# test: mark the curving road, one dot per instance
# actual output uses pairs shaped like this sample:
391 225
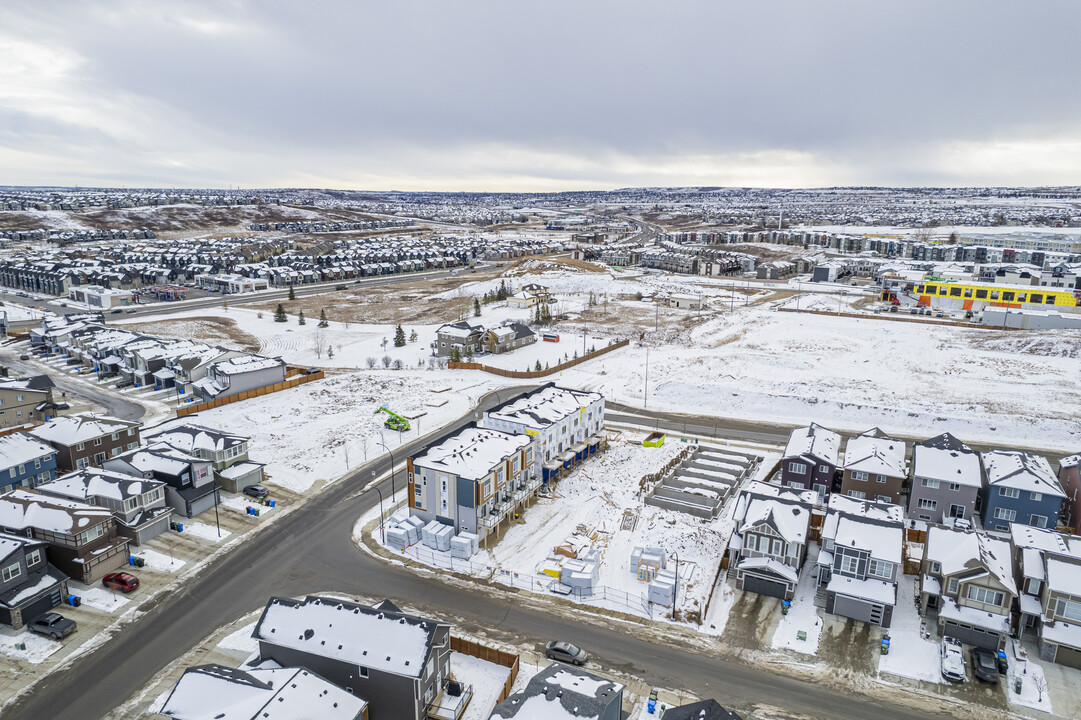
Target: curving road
310 549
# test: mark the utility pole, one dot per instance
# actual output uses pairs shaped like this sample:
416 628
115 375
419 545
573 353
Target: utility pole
657 322
645 392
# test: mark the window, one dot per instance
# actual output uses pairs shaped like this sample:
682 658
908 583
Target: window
37 464
1009 492
1039 521
823 468
957 511
1050 300
82 464
925 504
33 557
363 672
849 564
751 542
1068 609
1032 586
882 479
778 548
879 569
20 398
1007 296
859 475
487 488
952 586
1005 514
1037 298
798 468
984 595
981 294
80 446
929 483
955 486
131 432
97 441
11 572
857 494
99 458
955 292
1035 496
116 436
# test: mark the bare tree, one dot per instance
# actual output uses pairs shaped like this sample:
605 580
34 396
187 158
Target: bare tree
397 364
386 361
319 341
1040 683
371 362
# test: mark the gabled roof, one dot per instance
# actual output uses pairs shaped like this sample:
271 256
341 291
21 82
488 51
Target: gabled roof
814 441
1021 470
876 453
544 407
703 710
93 482
960 552
189 437
21 509
946 459
471 453
69 430
866 525
560 692
20 448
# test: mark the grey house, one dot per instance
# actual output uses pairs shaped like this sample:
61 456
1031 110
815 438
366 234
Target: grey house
398 663
1021 487
138 504
1048 573
701 710
227 451
810 460
468 339
860 562
561 691
239 374
946 478
769 545
189 481
29 585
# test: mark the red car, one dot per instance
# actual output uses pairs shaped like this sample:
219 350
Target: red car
122 581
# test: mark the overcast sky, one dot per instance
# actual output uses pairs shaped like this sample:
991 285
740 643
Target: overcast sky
561 94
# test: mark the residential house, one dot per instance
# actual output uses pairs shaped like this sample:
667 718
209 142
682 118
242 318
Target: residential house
189 481
967 579
810 460
228 452
701 710
1048 573
874 467
506 338
1069 479
471 479
239 374
27 400
1020 487
25 461
87 439
461 336
946 478
137 504
29 585
212 692
562 692
559 419
769 544
398 663
529 296
82 539
860 562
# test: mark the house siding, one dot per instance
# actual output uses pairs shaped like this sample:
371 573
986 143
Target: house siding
1024 507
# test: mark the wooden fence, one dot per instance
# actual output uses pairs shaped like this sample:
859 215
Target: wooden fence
299 377
492 655
536 373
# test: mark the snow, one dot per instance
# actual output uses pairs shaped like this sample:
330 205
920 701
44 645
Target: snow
241 503
38 648
1031 674
1063 577
102 599
241 640
911 655
206 532
160 561
878 591
486 678
472 453
802 614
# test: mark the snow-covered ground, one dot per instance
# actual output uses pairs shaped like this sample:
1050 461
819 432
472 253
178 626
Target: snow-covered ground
241 640
802 614
102 599
241 503
159 561
37 650
486 678
206 532
1032 680
911 655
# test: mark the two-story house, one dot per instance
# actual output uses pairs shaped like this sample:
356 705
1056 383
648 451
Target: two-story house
506 338
1020 487
557 418
228 452
138 504
810 460
82 539
471 479
87 439
946 478
461 336
769 544
29 585
26 400
563 692
239 374
398 663
874 467
1047 566
189 481
25 461
967 578
1069 478
861 558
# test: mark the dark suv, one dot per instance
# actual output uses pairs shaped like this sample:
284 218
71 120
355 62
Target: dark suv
52 624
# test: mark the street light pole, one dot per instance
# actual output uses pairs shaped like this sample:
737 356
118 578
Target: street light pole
382 530
393 492
645 391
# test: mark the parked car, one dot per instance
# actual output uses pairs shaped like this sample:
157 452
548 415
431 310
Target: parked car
565 652
131 311
52 624
24 357
953 659
115 312
984 665
123 383
122 581
256 491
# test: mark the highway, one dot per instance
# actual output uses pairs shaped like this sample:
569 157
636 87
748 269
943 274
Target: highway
310 549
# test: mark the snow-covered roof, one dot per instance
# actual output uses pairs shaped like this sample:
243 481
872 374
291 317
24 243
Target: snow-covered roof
877 591
460 329
560 692
72 429
471 453
246 363
1044 540
960 551
20 448
158 457
791 521
383 639
994 622
93 482
216 692
767 563
189 437
21 509
946 465
884 541
814 441
1021 470
1070 462
544 407
1062 633
1064 576
876 454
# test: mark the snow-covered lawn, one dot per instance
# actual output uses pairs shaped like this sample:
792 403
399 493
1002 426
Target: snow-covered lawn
241 503
206 532
1032 675
802 615
911 655
102 599
38 648
486 678
160 561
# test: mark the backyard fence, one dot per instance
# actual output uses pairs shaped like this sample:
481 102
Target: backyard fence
298 376
536 373
445 562
492 655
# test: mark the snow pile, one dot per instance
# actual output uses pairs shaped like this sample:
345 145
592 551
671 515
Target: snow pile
101 599
241 640
911 655
802 615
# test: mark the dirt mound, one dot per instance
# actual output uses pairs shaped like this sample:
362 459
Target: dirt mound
532 266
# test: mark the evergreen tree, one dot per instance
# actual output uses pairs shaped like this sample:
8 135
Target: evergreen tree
413 337
537 367
469 353
399 337
300 318
330 351
323 318
476 307
279 314
292 293
455 354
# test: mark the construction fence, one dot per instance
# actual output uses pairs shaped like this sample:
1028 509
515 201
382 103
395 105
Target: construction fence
489 654
297 377
537 373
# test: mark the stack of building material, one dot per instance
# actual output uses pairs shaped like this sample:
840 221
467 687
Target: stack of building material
647 561
413 525
397 538
474 541
580 574
662 589
443 538
428 533
461 548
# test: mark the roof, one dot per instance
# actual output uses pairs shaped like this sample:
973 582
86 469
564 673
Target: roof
544 407
960 551
1064 576
217 692
382 639
20 448
947 463
814 441
159 457
702 710
471 453
875 453
246 363
21 509
1044 540
790 521
460 329
877 591
767 563
1021 470
92 482
1070 462
72 429
189 437
560 692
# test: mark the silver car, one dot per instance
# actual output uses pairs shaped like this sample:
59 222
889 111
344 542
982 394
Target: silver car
565 652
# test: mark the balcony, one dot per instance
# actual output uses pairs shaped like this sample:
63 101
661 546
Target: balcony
450 707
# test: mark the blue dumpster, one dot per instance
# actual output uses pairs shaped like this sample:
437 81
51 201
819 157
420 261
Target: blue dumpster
271 503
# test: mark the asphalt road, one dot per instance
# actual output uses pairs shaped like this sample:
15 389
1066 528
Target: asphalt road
114 404
310 550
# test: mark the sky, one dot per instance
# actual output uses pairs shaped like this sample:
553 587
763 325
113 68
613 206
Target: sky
498 95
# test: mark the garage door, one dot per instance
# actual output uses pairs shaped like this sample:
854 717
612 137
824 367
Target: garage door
764 587
1068 656
41 605
971 635
857 609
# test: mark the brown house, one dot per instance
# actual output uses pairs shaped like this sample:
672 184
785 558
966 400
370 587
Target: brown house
874 468
87 439
82 539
